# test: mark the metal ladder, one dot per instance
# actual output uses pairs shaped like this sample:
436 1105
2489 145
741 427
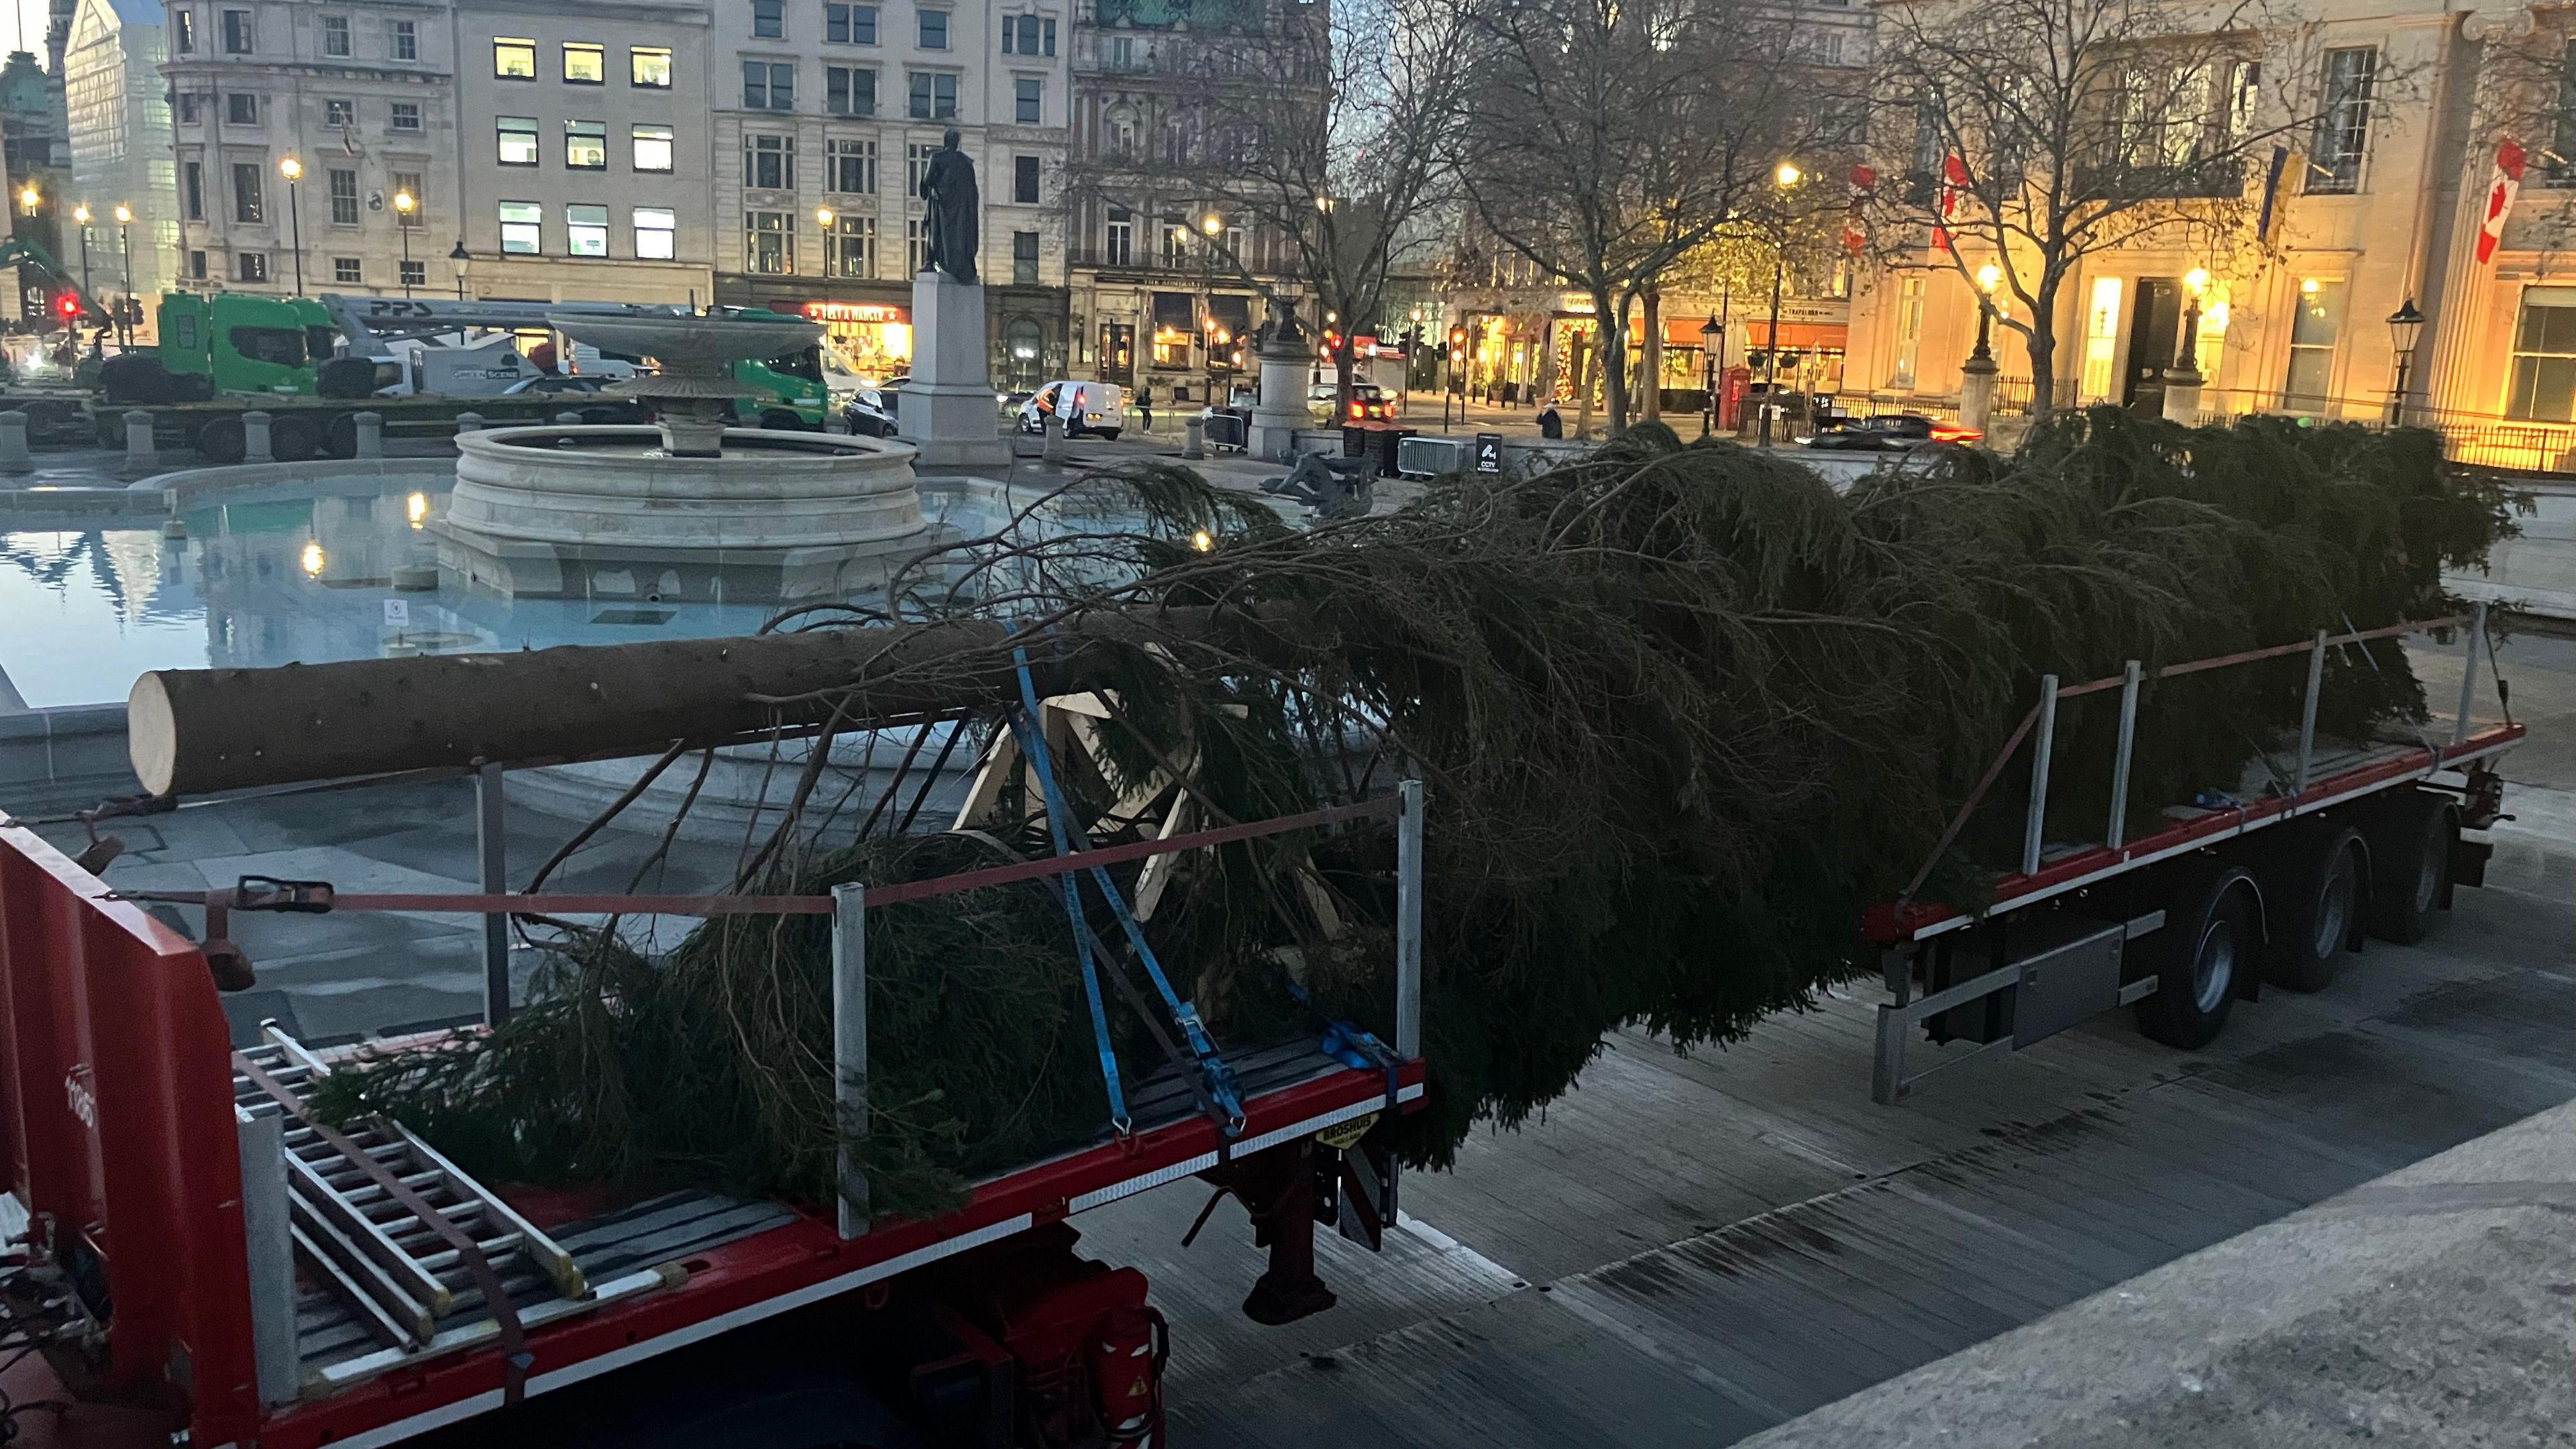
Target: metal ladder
392 1267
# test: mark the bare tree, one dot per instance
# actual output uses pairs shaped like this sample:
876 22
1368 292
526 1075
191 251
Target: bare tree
2526 100
2031 134
1604 141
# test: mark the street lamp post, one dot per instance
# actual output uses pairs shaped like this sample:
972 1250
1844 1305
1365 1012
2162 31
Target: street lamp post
458 259
1977 374
1449 374
2183 380
125 256
293 171
404 205
1712 341
2405 329
1786 177
80 216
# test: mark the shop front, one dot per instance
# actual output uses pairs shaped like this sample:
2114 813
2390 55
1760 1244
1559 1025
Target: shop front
869 323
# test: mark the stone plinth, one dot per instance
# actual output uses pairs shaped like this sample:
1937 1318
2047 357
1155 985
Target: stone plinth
1977 392
1281 410
947 412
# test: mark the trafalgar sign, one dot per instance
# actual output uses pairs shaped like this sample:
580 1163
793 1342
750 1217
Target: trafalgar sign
2502 187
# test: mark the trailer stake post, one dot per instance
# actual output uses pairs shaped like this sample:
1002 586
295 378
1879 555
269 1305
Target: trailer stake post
2469 672
2118 830
1408 920
2308 719
492 850
850 1045
2041 746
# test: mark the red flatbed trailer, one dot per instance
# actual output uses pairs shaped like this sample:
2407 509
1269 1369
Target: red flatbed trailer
127 1148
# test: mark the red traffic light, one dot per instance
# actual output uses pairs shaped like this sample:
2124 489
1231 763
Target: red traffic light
69 304
1457 337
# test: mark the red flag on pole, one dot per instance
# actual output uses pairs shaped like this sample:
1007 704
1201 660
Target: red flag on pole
2502 188
1954 179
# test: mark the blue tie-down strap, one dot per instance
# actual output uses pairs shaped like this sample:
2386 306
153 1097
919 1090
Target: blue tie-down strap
1353 1047
1218 1077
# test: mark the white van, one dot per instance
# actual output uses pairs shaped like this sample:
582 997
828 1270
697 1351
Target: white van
1094 409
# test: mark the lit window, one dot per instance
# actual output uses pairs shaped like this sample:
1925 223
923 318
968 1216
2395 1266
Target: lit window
767 246
585 65
650 67
2315 327
850 247
518 140
652 148
586 146
523 227
2544 357
514 59
183 32
587 228
655 227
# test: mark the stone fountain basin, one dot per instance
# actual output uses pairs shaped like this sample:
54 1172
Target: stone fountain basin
615 486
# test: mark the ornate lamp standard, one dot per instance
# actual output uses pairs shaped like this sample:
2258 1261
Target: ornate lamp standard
1787 176
2405 329
404 205
293 171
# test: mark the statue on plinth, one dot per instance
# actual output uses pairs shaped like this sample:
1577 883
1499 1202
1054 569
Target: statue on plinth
950 209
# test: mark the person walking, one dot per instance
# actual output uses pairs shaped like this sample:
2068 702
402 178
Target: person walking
1549 424
1145 406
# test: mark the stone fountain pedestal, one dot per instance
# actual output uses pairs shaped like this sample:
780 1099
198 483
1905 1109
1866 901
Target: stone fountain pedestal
947 411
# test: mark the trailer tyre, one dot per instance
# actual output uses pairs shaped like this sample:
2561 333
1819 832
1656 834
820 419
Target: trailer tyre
2200 975
221 441
293 439
340 439
345 377
2321 912
2411 875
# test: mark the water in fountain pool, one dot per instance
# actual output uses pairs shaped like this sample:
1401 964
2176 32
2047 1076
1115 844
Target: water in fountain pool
305 574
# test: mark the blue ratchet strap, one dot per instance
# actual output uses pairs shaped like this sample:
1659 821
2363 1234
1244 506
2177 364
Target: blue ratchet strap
1123 1124
1032 737
1355 1046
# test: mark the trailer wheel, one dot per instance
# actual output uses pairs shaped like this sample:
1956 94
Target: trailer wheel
2321 909
293 438
2212 943
340 439
2411 878
221 441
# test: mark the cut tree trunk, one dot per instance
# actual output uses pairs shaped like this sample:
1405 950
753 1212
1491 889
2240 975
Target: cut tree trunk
191 731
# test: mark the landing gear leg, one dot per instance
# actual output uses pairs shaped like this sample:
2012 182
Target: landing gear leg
1278 1188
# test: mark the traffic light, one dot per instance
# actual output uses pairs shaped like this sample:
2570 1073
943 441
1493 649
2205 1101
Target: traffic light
69 305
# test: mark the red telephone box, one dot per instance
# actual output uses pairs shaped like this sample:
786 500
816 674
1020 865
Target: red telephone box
1732 386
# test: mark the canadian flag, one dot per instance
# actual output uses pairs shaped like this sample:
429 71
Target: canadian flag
1954 179
2501 191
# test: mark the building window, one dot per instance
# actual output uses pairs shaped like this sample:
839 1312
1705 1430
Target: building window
183 35
249 203
916 246
1909 332
655 227
934 96
649 66
934 30
1025 341
514 59
587 228
344 197
769 19
518 140
1119 249
850 90
767 86
406 39
415 274
1027 35
586 146
523 227
346 271
850 167
767 247
2314 329
769 162
850 247
1122 52
241 109
196 268
405 116
1024 258
652 148
1024 180
339 113
1029 101
410 181
187 101
584 64
192 189
2343 127
250 266
335 35
2544 357
1176 242
237 38
850 24
916 165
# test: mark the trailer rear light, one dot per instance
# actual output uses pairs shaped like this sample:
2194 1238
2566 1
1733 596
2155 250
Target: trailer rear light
1955 433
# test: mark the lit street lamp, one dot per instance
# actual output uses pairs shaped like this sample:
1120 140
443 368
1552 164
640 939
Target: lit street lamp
2187 359
1712 341
2405 328
29 198
81 215
1787 176
125 251
293 171
404 205
1989 277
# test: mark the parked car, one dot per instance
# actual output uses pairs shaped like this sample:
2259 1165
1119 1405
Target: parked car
583 394
1890 433
1093 409
1368 404
870 412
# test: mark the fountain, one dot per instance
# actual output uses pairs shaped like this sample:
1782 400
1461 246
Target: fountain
688 508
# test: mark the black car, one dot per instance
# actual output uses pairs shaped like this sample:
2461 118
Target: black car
870 412
1890 433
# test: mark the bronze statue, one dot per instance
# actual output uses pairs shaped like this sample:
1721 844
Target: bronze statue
950 209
